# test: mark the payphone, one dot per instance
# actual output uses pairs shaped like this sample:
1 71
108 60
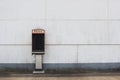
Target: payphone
38 48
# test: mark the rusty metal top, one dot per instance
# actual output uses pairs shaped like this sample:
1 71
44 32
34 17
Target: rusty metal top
38 31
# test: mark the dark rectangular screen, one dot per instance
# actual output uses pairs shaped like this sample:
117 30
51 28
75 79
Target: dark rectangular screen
38 42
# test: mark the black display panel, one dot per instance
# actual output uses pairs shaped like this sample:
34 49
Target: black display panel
38 42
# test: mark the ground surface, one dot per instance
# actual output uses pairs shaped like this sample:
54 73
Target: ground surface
64 78
88 76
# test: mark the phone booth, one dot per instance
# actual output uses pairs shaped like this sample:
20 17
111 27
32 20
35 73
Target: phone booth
38 48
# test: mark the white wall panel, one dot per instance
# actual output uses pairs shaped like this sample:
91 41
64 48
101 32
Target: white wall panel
68 22
114 32
18 32
98 53
60 54
15 54
114 11
22 54
77 32
77 9
22 9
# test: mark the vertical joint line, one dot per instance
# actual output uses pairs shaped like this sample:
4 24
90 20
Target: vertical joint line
45 4
77 52
108 7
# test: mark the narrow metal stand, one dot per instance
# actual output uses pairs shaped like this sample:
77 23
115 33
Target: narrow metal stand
38 64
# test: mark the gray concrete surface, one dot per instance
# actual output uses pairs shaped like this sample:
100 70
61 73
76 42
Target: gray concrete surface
63 78
87 76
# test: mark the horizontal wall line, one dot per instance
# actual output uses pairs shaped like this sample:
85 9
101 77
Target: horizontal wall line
15 44
54 44
83 19
60 19
22 19
82 44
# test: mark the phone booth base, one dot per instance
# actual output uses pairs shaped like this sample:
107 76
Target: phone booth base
38 64
38 72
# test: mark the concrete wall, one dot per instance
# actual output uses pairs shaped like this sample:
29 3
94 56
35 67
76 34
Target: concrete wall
77 31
